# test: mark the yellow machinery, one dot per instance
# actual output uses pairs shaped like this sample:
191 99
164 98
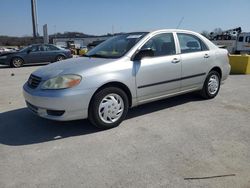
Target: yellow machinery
240 64
83 51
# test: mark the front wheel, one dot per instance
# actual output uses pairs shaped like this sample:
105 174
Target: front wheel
16 62
108 108
211 85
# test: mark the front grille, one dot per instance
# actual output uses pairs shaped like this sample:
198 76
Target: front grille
34 81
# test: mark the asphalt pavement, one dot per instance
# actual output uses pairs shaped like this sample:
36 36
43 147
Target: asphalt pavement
161 144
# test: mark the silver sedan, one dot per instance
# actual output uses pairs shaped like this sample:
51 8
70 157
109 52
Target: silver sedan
125 71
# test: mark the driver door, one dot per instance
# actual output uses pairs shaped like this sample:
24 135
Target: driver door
158 76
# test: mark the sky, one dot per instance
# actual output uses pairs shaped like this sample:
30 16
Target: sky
98 17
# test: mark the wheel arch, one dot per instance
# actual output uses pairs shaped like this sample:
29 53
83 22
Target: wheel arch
217 69
60 54
119 85
16 56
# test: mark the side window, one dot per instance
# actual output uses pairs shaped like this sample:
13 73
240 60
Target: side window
46 48
40 48
49 48
248 39
190 43
34 48
162 44
241 39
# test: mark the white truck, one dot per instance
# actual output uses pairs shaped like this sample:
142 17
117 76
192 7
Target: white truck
240 45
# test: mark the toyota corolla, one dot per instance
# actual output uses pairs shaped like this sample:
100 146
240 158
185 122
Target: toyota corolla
125 71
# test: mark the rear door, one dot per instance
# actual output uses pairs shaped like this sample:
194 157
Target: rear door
50 52
194 56
159 75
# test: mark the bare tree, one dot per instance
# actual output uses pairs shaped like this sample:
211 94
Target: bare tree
217 31
205 33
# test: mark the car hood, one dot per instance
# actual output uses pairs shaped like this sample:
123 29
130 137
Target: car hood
70 66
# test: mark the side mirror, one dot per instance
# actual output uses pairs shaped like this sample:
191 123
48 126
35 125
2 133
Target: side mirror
140 54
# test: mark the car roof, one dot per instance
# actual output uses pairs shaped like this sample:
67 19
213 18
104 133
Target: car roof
163 30
172 30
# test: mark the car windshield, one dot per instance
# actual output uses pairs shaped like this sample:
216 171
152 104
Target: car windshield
117 46
25 49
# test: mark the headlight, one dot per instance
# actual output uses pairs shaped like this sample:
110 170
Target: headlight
3 57
62 82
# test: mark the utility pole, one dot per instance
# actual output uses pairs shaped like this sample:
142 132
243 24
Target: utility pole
34 18
113 29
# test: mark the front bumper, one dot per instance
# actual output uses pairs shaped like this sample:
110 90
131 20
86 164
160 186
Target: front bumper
4 62
61 105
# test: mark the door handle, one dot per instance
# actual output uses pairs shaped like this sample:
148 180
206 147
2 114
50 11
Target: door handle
206 56
175 60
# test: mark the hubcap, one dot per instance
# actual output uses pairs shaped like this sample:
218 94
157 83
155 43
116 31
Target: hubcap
213 84
111 108
17 62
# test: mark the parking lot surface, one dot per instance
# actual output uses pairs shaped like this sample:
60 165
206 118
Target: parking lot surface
158 145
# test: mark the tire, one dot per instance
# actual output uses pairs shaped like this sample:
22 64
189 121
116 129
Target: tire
108 108
16 62
211 85
60 58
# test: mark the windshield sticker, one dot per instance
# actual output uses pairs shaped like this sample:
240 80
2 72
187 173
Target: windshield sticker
133 36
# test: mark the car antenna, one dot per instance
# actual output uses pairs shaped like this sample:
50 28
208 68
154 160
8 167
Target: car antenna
180 22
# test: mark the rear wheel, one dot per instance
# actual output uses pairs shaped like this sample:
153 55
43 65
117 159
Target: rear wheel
108 108
211 85
60 58
16 62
